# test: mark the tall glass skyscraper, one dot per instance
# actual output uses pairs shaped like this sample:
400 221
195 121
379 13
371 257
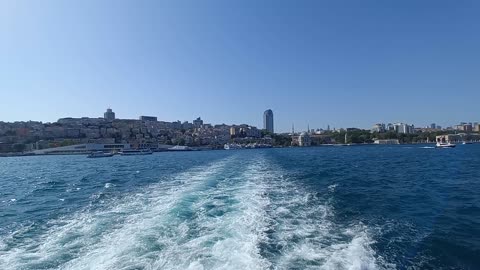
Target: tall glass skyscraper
268 121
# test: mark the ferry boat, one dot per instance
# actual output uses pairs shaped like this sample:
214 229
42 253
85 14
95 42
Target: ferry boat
444 142
445 145
135 152
99 154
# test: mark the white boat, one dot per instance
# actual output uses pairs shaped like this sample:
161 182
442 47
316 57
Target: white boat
445 145
258 145
443 142
135 152
231 146
180 148
99 154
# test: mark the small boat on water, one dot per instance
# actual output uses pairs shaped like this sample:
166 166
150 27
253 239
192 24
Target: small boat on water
99 154
231 146
445 145
444 142
135 152
180 148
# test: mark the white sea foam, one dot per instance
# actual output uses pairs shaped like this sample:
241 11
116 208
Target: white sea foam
118 237
224 216
226 230
331 188
306 234
353 255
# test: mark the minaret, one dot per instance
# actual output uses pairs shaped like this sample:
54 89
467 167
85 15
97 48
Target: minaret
308 128
293 129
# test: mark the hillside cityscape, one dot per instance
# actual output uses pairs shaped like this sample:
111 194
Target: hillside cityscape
147 132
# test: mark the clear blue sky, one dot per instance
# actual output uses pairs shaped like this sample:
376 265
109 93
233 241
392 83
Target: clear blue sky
343 63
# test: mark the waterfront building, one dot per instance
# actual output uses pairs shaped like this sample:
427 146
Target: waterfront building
451 138
109 115
148 118
304 139
268 121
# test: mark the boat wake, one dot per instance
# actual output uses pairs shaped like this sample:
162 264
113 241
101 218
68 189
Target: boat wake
232 214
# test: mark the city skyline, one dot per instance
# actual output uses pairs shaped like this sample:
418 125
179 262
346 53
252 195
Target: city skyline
109 114
314 64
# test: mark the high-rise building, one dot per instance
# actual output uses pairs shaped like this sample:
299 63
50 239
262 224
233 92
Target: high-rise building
404 128
433 126
198 122
268 121
109 115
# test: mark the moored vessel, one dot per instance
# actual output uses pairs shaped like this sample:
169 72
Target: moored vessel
180 148
135 152
99 154
231 146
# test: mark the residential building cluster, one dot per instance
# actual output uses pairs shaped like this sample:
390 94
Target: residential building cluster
400 128
147 131
410 129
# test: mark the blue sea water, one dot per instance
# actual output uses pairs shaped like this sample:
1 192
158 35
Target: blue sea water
368 207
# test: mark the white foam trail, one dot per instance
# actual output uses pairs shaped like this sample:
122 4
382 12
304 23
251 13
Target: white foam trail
226 230
354 255
114 238
234 214
307 237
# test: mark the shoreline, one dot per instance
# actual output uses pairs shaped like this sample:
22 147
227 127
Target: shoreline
216 149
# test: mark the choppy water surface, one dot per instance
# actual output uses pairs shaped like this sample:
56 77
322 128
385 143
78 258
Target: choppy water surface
383 207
